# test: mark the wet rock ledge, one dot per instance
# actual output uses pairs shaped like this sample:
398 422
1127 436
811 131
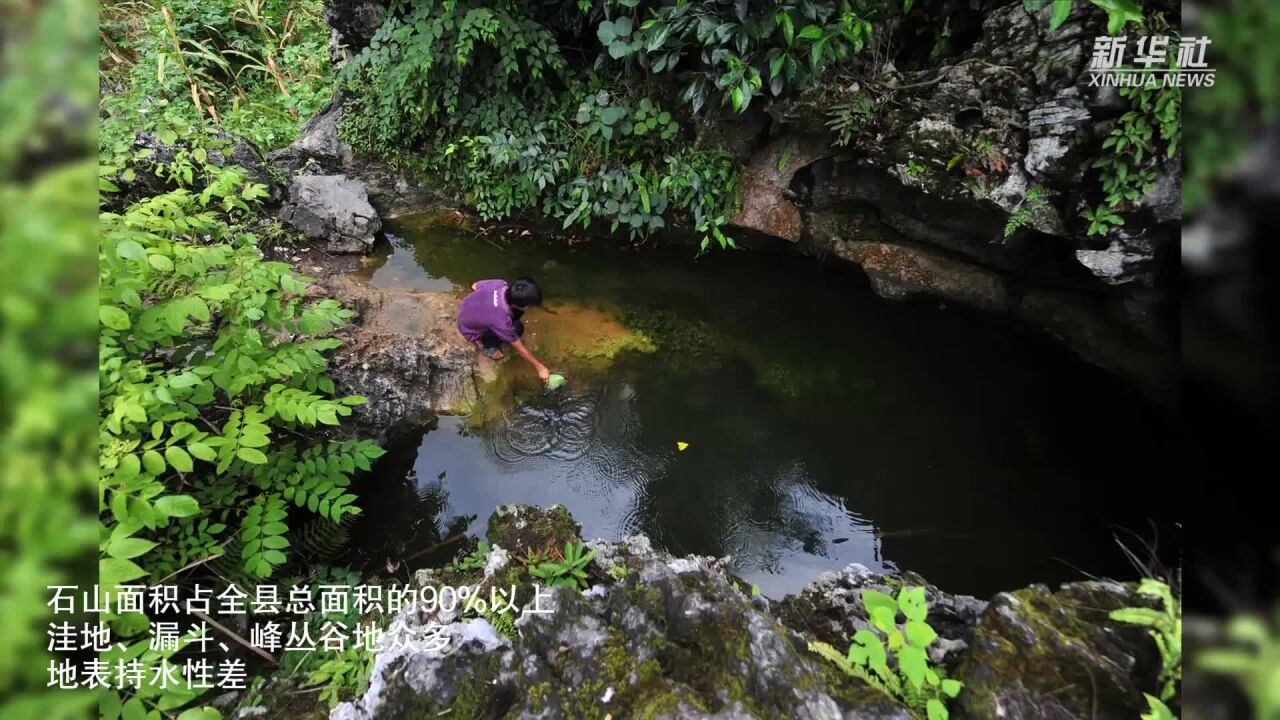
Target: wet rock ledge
657 636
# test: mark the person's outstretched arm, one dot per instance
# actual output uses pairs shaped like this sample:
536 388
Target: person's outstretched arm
543 372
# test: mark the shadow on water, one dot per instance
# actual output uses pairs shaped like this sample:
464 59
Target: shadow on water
824 425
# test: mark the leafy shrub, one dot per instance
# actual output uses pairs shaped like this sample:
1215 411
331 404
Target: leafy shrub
480 95
910 679
212 382
728 48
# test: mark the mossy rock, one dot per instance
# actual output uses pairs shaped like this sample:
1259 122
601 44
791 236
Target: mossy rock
520 528
1042 654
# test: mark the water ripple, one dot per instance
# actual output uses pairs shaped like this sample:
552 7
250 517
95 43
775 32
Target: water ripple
558 427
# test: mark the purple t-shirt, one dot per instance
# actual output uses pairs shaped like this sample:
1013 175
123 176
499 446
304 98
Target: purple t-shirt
486 309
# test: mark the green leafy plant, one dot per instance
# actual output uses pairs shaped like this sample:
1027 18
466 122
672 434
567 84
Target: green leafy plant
569 571
1032 202
1253 660
1120 13
476 559
1165 625
342 675
1102 220
209 357
849 116
1222 123
738 51
502 119
909 678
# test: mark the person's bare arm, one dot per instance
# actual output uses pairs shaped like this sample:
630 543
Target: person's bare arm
543 372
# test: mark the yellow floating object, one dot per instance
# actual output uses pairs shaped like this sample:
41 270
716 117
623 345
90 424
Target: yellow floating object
681 445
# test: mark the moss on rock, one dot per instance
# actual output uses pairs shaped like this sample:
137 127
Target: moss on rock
520 528
1041 654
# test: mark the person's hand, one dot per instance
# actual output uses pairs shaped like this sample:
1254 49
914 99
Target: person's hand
543 373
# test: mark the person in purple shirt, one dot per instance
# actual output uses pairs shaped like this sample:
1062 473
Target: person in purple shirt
490 317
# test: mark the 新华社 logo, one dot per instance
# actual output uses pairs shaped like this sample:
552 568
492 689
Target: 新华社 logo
1155 62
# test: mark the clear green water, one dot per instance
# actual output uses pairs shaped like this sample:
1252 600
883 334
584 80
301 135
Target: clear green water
824 425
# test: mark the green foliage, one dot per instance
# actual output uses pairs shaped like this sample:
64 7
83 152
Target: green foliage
910 678
1165 626
1253 660
479 95
503 622
211 377
256 68
153 697
339 676
724 47
1032 202
1120 13
848 117
474 560
569 571
433 66
1102 220
342 675
1157 710
1222 120
1145 136
47 326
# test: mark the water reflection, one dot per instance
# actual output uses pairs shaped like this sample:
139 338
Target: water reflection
825 426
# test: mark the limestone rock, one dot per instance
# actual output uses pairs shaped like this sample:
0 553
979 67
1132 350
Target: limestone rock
351 25
523 527
673 638
656 636
765 182
830 609
405 355
332 208
320 150
1042 655
897 271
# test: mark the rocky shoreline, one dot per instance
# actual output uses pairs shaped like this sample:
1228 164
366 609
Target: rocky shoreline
658 636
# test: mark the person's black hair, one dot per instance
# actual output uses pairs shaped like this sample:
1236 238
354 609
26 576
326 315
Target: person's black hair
524 292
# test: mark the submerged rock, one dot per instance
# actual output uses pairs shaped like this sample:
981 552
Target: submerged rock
332 208
657 636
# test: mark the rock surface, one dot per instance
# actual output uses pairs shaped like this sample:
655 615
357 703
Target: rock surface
405 355
334 209
657 636
321 150
1038 654
945 160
